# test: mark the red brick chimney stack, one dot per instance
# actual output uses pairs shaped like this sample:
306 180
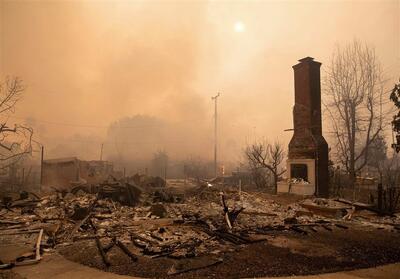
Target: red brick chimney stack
307 141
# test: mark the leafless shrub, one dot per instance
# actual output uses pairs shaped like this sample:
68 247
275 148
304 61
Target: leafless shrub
390 183
263 156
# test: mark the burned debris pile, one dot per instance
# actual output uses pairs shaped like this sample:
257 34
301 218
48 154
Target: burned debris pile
153 222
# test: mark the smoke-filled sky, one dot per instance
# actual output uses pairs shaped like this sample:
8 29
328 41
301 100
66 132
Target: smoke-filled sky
88 64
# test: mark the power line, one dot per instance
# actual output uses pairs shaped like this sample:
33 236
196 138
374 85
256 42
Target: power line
118 142
114 124
86 125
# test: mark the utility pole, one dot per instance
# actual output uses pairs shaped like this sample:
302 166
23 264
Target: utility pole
215 99
101 152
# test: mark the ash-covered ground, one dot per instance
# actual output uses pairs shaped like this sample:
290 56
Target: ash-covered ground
196 231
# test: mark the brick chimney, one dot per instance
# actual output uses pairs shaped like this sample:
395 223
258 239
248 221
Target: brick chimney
307 141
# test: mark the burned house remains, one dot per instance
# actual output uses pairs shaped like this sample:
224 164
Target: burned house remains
64 172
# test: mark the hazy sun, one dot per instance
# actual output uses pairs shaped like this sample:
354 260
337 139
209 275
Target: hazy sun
239 26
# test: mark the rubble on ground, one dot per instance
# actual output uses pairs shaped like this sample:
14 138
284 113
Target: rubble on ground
149 223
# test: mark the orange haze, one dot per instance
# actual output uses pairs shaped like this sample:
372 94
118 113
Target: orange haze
87 64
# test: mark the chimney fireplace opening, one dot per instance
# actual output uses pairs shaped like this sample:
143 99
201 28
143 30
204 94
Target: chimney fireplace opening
299 171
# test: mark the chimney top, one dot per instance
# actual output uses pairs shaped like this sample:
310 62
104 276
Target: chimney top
306 59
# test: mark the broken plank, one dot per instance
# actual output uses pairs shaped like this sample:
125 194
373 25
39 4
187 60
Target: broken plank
144 239
80 223
37 252
77 226
21 232
359 205
39 240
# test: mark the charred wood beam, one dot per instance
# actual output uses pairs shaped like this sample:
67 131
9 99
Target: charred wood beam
126 250
102 253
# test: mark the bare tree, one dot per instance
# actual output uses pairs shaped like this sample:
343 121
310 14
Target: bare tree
16 141
353 100
263 155
395 98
